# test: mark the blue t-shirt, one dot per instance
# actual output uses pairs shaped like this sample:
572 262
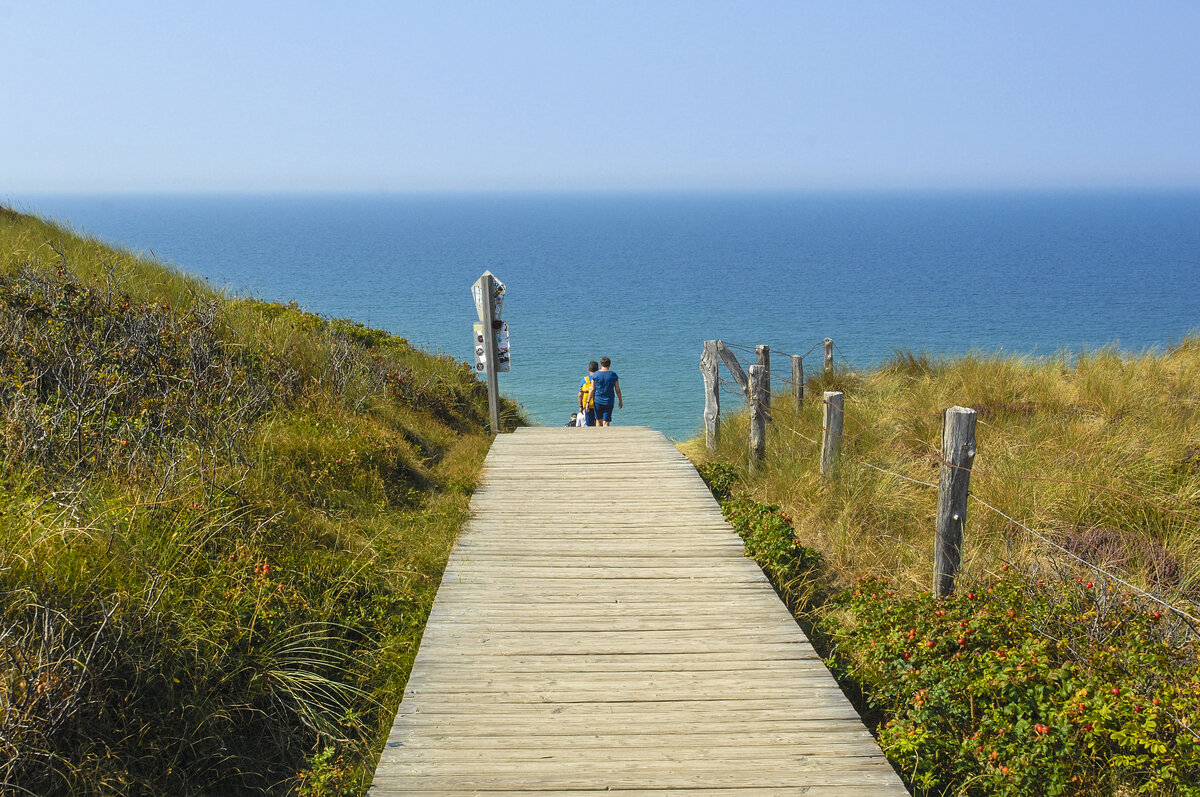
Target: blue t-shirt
606 387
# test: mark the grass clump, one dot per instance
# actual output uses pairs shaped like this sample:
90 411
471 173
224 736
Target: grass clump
1067 661
222 524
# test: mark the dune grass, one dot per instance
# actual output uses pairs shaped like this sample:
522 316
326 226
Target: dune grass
222 524
1068 660
1100 452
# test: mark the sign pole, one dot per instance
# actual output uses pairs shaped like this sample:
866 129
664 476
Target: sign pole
486 286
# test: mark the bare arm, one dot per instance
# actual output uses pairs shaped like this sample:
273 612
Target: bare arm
620 401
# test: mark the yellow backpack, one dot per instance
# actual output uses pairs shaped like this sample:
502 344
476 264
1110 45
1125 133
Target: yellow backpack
585 390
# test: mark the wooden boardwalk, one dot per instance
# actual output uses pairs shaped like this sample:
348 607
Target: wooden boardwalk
598 628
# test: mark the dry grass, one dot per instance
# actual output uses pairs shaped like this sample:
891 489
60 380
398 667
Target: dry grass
1097 453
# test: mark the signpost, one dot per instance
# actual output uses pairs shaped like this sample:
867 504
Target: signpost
491 339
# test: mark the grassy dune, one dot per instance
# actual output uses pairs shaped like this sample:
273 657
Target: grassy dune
1067 662
222 523
1100 452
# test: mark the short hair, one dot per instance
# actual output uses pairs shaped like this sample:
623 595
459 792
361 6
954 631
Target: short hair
605 362
593 366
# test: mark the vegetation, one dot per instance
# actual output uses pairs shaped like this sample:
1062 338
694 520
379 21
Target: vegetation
1067 661
222 524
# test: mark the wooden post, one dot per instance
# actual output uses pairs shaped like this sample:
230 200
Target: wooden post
958 454
758 416
712 396
831 441
828 357
735 368
798 380
763 355
487 286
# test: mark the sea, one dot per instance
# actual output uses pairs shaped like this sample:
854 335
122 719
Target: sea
646 278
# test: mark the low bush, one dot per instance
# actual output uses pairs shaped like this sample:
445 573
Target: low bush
995 691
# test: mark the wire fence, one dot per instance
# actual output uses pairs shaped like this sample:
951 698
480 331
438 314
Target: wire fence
1178 622
782 422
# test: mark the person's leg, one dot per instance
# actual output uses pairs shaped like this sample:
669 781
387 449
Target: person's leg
589 416
603 414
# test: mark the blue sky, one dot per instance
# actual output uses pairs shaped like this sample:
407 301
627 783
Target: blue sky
697 95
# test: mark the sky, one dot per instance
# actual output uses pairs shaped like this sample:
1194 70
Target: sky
126 96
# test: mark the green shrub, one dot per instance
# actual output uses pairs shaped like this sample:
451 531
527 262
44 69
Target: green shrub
722 479
995 691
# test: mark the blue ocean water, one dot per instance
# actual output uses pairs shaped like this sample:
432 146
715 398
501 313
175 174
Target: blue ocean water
646 278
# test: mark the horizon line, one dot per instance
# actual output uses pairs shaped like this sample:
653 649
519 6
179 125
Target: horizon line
10 197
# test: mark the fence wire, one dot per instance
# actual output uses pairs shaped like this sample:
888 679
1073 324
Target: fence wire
935 457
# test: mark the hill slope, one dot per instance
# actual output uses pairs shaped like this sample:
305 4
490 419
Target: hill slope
221 526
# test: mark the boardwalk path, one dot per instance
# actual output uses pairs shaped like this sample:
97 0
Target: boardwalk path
598 628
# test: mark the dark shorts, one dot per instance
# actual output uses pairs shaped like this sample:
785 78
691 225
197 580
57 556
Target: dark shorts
589 417
604 412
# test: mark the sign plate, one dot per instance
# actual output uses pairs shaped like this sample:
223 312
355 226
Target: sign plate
502 348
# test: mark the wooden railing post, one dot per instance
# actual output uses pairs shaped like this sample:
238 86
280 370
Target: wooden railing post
958 454
763 355
758 416
828 357
712 396
735 368
831 441
798 380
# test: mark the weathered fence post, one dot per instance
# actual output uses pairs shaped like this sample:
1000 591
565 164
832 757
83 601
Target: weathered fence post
763 355
735 368
798 380
828 357
712 396
831 441
758 416
958 453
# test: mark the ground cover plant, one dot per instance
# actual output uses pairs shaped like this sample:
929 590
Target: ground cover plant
222 523
1067 661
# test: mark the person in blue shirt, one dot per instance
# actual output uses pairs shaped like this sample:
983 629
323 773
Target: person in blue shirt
605 387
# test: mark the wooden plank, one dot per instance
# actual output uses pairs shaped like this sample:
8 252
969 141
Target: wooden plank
599 628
